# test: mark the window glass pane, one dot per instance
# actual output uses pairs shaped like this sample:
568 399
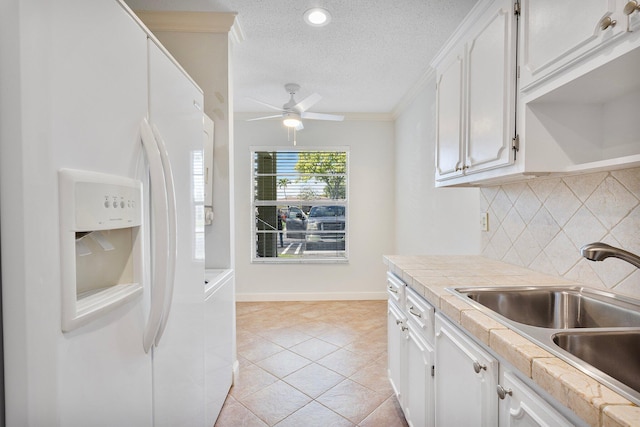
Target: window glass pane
300 205
197 191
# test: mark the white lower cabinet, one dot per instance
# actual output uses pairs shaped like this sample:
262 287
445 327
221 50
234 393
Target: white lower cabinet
418 401
465 380
410 353
520 406
443 377
396 349
220 346
473 389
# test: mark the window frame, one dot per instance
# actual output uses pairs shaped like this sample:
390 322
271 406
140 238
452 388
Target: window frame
253 204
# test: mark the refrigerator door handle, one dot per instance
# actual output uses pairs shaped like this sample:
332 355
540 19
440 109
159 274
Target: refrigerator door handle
173 225
161 234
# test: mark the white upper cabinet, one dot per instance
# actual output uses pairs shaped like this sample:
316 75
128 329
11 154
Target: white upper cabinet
491 90
553 89
449 133
579 85
555 34
476 93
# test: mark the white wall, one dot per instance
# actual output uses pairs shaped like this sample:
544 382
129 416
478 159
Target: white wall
371 209
429 220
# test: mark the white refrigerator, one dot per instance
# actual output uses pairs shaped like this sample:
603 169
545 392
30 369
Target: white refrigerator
82 83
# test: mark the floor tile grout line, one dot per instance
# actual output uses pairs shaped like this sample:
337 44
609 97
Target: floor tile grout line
319 403
371 359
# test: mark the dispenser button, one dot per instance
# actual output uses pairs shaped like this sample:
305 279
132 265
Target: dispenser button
115 204
122 204
106 204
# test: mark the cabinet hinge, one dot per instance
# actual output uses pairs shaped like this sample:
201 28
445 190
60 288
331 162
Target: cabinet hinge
515 146
516 8
433 371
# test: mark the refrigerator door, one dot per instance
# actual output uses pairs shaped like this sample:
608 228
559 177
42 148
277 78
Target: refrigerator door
175 116
99 96
82 72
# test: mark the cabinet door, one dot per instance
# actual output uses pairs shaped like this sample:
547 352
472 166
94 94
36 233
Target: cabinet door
396 348
634 17
557 33
449 125
491 89
465 380
420 313
524 408
219 317
395 289
419 399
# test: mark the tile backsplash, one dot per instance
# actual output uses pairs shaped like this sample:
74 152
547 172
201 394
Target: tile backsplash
542 223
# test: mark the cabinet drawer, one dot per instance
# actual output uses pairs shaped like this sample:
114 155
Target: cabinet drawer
421 313
395 289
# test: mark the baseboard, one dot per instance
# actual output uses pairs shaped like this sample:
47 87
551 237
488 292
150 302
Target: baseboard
309 296
236 372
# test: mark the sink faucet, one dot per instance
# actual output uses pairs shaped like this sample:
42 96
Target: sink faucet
599 251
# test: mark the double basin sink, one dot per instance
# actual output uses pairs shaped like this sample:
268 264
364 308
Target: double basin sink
597 332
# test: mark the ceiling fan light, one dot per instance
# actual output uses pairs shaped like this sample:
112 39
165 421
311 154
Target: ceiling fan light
317 17
291 123
291 120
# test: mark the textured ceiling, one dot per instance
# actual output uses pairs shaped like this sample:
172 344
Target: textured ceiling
366 60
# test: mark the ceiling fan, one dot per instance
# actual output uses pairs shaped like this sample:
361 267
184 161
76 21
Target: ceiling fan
293 112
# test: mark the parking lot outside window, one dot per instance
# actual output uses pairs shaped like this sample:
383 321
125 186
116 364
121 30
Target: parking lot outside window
300 205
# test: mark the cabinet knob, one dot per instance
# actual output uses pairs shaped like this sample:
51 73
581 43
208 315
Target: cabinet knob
478 367
503 392
392 290
607 22
404 328
414 313
630 7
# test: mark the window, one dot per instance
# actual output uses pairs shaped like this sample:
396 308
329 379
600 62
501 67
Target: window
299 205
197 190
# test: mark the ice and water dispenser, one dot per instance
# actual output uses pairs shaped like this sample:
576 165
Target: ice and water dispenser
101 244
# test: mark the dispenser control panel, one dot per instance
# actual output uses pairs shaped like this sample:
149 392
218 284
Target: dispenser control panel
101 253
100 201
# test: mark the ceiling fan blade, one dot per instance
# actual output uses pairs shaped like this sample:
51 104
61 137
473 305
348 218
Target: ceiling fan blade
273 107
306 103
321 116
265 117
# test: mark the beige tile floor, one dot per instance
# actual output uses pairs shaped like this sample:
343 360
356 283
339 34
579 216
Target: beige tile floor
307 364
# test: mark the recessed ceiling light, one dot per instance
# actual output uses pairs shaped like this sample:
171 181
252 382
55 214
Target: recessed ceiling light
317 17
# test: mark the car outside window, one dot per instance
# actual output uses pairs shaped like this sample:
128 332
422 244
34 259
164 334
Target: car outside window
299 205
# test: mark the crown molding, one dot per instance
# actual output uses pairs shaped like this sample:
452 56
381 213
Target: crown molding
413 92
236 33
189 22
461 31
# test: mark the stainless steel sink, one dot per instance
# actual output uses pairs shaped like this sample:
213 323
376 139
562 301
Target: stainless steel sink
598 332
557 307
613 352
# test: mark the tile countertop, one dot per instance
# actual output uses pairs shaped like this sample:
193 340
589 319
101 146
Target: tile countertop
429 275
